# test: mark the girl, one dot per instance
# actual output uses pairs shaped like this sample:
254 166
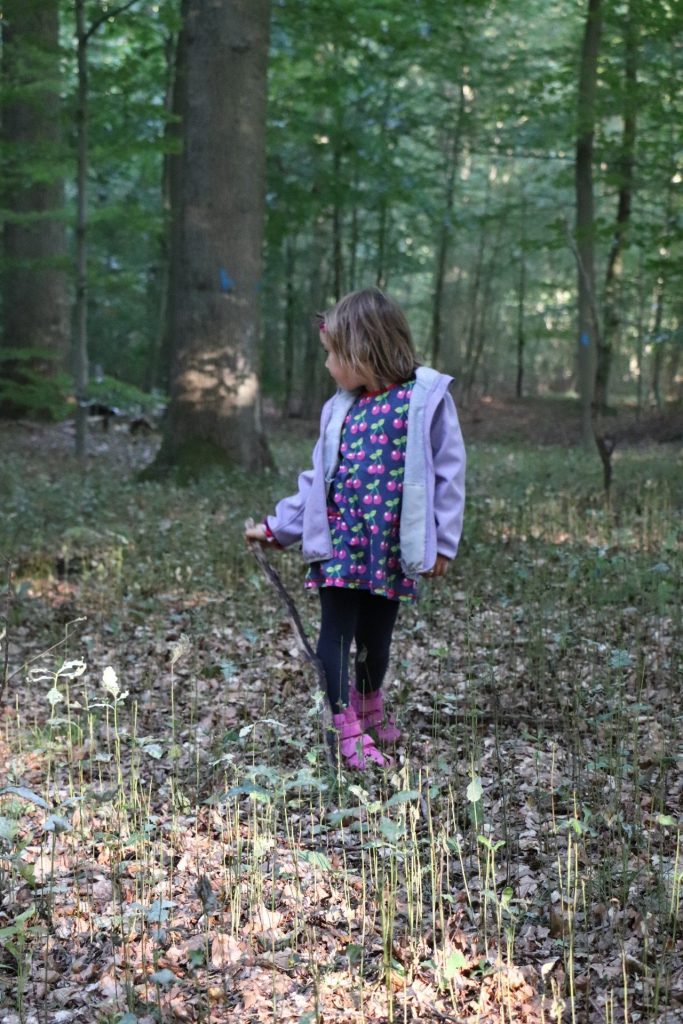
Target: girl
381 506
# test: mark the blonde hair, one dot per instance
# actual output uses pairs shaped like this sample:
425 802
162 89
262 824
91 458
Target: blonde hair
369 332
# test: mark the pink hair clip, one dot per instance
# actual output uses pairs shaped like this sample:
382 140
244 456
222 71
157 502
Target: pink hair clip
322 326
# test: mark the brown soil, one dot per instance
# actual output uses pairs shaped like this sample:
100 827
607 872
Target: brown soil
491 420
557 421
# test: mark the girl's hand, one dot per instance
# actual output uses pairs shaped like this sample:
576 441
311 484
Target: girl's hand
439 568
257 534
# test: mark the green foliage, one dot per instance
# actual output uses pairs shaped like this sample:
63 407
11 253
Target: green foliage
363 114
27 390
124 396
189 462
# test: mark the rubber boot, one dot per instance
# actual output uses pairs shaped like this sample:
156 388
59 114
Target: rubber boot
369 708
355 746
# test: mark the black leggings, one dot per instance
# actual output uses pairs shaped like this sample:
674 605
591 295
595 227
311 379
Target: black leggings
358 615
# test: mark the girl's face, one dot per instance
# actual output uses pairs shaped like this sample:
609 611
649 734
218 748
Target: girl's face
345 376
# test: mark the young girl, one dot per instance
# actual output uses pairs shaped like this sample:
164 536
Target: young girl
381 506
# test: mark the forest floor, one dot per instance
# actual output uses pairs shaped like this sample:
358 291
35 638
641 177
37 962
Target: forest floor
173 843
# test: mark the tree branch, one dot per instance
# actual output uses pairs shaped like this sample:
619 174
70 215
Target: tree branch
107 17
295 622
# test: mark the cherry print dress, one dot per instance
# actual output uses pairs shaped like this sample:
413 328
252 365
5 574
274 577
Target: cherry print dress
364 503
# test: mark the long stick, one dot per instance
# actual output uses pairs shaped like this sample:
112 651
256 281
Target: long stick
295 622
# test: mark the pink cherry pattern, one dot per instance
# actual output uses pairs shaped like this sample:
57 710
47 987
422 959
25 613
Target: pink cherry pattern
364 510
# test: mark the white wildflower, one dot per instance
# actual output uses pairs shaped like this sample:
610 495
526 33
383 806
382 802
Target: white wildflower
110 681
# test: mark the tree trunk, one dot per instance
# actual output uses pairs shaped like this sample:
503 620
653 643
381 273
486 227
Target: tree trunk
217 200
588 327
473 341
611 317
483 310
354 231
446 230
81 360
640 332
521 300
34 286
81 368
658 344
337 245
159 356
290 312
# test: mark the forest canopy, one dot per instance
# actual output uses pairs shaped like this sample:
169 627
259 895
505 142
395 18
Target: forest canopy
425 147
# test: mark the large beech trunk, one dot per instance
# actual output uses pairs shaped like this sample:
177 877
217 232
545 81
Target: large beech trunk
217 209
35 303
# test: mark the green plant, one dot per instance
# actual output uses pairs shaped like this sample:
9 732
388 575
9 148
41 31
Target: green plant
30 386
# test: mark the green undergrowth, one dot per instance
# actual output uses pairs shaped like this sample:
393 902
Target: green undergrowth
168 810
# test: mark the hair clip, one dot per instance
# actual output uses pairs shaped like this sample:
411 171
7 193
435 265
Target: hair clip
322 326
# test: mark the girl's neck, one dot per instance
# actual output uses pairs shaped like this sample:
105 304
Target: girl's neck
372 391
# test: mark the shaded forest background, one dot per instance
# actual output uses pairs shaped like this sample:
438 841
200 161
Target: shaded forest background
426 147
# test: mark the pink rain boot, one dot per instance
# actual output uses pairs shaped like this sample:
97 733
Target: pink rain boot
370 710
355 746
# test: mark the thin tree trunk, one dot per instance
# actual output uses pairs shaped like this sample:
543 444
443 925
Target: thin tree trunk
157 371
483 311
521 299
354 234
380 274
640 328
611 317
81 362
310 362
384 222
658 346
471 357
337 244
290 306
588 328
446 230
81 369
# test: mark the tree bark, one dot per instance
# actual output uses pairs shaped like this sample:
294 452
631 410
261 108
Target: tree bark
217 201
290 325
159 356
521 300
446 230
81 359
611 316
588 327
34 285
81 366
337 218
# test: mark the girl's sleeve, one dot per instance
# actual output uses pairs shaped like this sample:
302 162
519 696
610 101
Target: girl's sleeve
448 453
287 522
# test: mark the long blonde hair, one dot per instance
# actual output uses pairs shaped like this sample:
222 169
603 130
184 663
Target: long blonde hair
369 332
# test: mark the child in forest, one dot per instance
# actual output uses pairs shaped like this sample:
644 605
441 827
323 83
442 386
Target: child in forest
381 505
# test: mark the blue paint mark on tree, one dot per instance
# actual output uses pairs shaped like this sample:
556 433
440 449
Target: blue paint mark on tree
226 282
584 339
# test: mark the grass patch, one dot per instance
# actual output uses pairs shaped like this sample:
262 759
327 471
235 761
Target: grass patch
173 844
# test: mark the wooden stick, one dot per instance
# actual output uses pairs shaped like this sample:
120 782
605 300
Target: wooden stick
303 644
